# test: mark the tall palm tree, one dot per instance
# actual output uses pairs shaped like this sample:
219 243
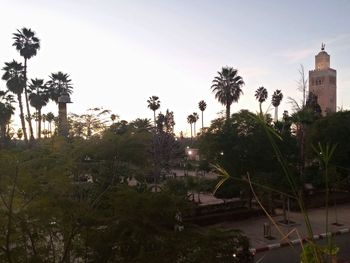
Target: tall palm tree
14 77
27 44
190 120
50 117
277 97
38 98
154 104
261 96
6 111
227 87
59 83
195 119
202 106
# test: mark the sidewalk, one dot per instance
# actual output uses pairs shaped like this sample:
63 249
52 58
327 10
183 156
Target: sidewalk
253 228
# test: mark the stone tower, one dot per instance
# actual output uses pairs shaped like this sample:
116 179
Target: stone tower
323 82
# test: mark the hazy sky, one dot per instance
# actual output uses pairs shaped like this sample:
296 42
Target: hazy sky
119 53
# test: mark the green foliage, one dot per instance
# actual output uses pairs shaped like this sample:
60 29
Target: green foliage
49 214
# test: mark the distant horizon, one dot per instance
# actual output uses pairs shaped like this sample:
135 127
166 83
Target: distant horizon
118 54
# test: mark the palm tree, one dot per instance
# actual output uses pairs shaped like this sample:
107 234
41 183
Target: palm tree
227 87
276 101
50 117
261 96
114 117
60 86
14 77
154 104
6 111
202 106
141 124
59 83
27 44
195 119
38 98
43 118
190 120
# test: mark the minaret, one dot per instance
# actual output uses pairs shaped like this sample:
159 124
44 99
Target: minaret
323 82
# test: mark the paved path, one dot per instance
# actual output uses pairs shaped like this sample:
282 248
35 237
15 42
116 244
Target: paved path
253 227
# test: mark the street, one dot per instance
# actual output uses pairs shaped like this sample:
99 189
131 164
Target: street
291 255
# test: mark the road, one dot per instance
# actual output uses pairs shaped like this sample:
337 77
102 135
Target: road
290 255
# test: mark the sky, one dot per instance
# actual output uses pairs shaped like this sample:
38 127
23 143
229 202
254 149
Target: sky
119 53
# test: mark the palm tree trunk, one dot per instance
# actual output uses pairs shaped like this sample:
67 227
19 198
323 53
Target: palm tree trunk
39 123
62 122
3 135
27 101
260 109
21 116
194 129
228 109
202 122
191 131
154 118
276 114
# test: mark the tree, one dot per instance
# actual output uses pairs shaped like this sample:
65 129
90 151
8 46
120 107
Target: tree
6 111
261 96
276 101
50 117
141 124
154 104
195 119
202 106
227 87
38 98
60 87
93 122
114 117
169 122
27 44
302 85
59 82
15 82
190 120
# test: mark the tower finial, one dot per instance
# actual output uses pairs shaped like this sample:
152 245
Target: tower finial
323 45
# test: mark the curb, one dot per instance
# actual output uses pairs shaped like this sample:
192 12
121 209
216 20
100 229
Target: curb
297 241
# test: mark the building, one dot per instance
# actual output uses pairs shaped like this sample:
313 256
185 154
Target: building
323 82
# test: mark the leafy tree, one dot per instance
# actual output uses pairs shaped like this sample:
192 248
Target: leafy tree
332 129
6 111
15 82
154 104
202 106
302 119
38 98
141 124
27 44
227 87
94 122
276 101
261 96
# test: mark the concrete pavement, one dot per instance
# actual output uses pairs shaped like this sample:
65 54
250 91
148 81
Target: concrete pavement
253 227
